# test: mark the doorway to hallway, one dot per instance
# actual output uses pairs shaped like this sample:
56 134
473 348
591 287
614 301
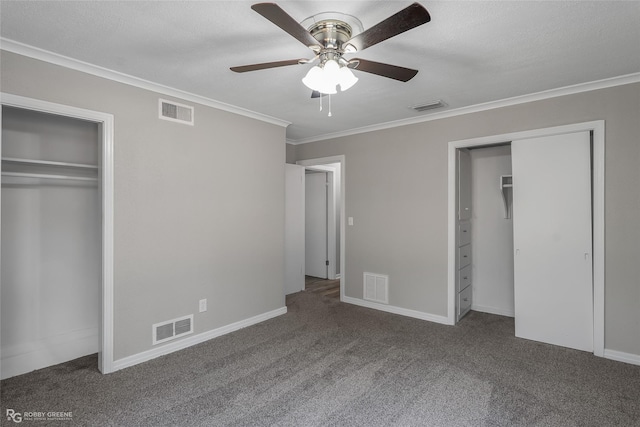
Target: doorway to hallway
325 287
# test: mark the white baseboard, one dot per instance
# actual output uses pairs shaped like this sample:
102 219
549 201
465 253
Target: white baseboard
27 357
194 339
620 356
398 310
493 310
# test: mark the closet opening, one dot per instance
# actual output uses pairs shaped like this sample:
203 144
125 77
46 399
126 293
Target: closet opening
56 235
491 230
507 194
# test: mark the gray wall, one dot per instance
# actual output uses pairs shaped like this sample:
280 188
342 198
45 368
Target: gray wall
396 190
199 210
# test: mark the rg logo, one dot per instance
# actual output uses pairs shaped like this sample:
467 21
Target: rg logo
14 416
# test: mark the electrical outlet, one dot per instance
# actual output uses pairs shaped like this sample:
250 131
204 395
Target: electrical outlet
203 305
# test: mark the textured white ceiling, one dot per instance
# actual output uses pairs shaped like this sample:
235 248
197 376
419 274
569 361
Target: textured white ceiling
470 53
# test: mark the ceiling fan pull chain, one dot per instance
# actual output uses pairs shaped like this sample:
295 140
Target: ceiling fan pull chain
329 102
320 97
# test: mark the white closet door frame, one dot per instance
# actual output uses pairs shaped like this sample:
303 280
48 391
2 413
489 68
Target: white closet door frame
105 354
597 128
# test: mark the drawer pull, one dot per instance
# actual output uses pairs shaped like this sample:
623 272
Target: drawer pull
465 277
466 299
464 256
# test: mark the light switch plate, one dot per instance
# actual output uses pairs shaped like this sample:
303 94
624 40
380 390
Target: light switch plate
203 305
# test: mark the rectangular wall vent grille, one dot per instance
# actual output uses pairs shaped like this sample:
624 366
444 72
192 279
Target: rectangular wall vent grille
175 112
376 288
183 326
429 105
164 332
172 329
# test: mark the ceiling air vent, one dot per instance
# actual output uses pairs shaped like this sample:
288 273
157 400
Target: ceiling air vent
429 105
175 112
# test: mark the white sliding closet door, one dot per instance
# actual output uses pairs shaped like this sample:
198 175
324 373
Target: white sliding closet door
552 240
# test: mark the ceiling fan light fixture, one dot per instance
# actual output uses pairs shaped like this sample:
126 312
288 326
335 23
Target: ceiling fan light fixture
316 79
328 76
325 79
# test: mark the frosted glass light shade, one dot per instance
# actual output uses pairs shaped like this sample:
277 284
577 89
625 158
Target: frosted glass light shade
313 79
346 78
330 71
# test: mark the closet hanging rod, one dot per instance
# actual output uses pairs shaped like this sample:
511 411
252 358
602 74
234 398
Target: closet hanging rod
48 163
49 176
506 188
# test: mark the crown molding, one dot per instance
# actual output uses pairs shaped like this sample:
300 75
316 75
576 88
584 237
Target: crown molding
516 100
85 67
74 64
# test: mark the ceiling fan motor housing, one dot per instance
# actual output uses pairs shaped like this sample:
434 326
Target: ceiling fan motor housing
332 34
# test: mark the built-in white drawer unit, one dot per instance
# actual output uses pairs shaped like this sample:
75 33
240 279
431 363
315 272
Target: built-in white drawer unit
464 233
464 278
464 256
464 301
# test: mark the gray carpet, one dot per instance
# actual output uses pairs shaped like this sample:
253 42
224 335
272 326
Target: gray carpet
326 363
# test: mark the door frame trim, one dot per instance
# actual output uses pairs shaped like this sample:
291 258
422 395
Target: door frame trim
106 124
342 161
331 217
597 128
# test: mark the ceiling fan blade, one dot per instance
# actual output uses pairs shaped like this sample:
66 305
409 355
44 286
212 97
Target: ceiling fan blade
275 14
385 70
316 94
265 65
408 18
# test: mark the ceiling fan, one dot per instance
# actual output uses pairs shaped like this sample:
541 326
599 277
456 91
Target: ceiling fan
331 36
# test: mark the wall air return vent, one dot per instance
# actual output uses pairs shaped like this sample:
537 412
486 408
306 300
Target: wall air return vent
376 288
429 105
172 329
175 112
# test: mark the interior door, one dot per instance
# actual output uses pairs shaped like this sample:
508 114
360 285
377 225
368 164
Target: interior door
316 224
294 229
553 289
